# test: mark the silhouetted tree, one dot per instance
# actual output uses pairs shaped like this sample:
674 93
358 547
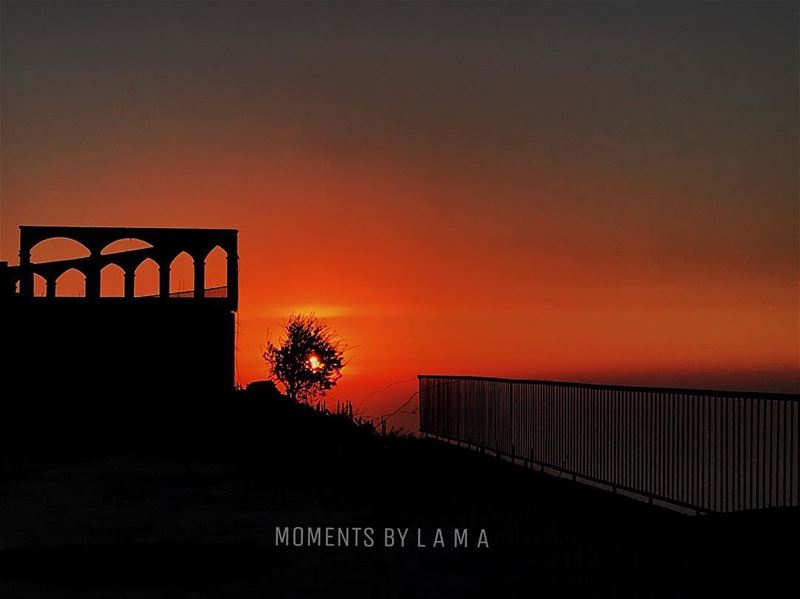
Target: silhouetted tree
308 359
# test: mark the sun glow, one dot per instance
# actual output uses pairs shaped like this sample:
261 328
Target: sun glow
313 362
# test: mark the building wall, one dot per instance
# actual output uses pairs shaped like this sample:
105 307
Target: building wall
74 350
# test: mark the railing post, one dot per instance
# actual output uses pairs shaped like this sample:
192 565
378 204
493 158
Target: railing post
233 277
163 280
130 283
26 280
199 277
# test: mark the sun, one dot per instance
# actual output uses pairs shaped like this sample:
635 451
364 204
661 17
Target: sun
313 362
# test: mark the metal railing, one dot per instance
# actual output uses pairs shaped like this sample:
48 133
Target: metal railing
713 451
208 292
211 292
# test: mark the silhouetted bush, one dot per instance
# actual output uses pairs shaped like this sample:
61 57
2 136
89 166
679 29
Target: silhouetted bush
308 359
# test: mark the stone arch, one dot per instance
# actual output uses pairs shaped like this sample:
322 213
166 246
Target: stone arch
112 281
216 268
58 248
181 274
125 244
39 285
71 283
146 278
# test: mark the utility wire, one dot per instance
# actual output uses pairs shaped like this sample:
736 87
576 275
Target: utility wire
412 396
381 390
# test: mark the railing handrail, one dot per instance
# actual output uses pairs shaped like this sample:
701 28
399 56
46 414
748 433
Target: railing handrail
189 294
631 388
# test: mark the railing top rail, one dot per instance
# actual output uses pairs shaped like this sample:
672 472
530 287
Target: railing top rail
209 293
629 388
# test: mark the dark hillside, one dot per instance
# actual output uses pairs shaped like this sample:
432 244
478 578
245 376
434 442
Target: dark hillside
189 505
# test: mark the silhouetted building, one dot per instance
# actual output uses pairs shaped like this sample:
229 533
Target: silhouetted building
166 347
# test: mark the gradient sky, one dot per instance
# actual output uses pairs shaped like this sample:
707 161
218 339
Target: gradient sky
588 191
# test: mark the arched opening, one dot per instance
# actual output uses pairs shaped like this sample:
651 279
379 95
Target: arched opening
112 281
39 285
58 248
71 283
217 270
145 282
125 245
181 274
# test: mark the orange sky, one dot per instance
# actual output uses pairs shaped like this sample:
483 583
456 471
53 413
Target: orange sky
452 195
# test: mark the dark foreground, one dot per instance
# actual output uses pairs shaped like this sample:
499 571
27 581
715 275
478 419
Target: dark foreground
189 509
